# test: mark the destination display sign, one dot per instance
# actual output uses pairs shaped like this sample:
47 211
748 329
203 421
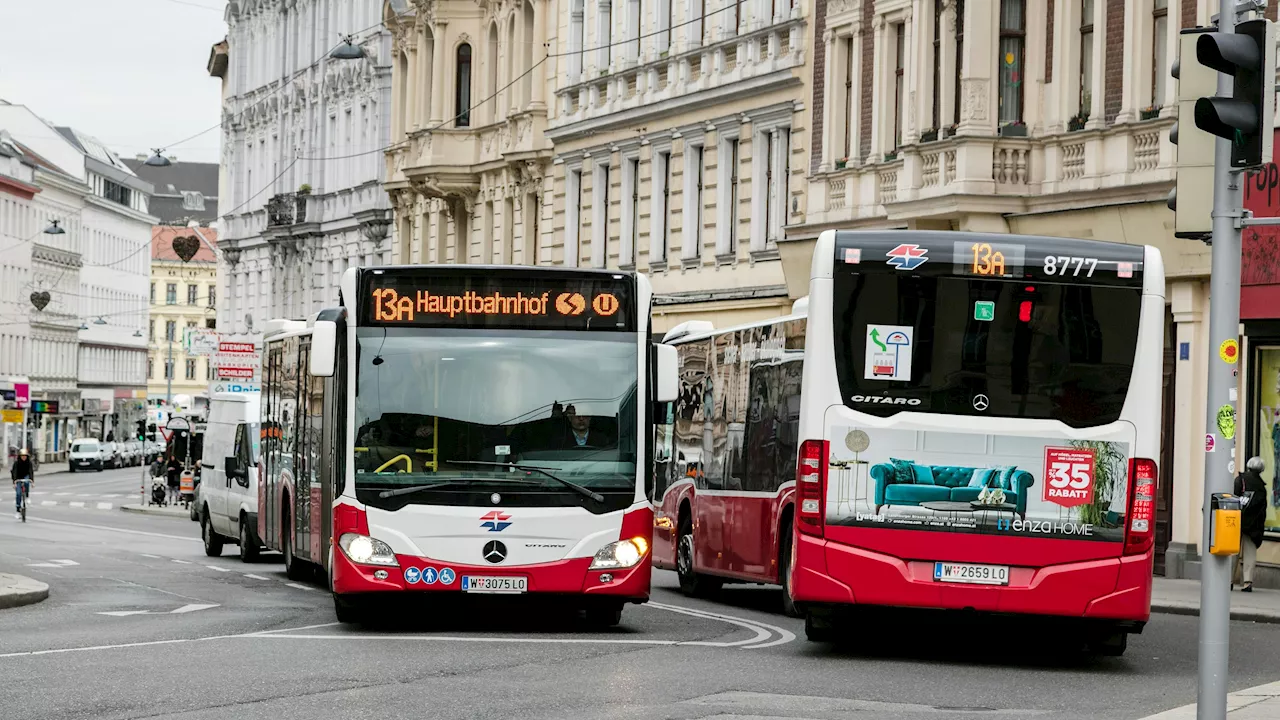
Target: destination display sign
513 300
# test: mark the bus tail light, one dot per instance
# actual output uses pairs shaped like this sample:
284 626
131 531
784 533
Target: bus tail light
1140 525
811 485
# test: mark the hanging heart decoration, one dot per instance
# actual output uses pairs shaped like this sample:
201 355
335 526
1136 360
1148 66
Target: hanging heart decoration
40 299
186 247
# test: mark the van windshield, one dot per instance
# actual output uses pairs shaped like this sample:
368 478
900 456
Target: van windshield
89 446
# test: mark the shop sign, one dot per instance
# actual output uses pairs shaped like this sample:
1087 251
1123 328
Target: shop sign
11 416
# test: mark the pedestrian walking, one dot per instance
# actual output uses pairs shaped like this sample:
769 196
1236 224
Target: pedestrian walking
172 479
1252 491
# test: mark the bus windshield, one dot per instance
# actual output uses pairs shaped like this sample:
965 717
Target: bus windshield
433 405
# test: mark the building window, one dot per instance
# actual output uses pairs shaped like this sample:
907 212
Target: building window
153 293
698 28
462 89
727 199
171 294
662 216
168 369
1086 57
116 192
665 14
959 61
778 179
191 369
192 292
151 335
899 51
633 29
604 33
573 219
600 214
208 371
576 13
631 228
849 118
151 368
693 201
213 296
170 330
1159 56
1012 38
937 64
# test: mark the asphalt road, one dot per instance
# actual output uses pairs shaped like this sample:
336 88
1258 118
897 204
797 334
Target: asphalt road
140 624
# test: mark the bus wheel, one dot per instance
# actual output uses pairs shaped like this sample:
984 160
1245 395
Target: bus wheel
346 610
604 616
819 628
784 572
212 541
248 547
293 569
1112 644
692 584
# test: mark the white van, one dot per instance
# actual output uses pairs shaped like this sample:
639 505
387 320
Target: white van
228 493
86 454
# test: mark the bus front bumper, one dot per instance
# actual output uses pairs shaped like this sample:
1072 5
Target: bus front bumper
834 574
563 577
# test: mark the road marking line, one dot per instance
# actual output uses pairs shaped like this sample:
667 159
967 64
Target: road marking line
299 586
761 633
76 503
784 635
105 506
60 494
175 641
192 608
297 629
256 577
109 495
124 613
153 557
47 503
219 569
117 529
455 638
180 562
54 564
39 492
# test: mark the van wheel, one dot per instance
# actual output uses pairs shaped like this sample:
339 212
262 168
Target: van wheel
692 584
784 571
248 546
212 540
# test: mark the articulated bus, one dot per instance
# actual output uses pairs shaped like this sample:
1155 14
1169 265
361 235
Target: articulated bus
953 421
466 429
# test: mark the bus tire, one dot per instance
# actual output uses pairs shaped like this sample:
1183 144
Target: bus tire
348 612
248 546
1108 644
784 570
212 540
819 628
692 584
604 616
293 568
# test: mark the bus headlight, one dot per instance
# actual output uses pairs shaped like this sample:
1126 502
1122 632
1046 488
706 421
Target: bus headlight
621 554
366 550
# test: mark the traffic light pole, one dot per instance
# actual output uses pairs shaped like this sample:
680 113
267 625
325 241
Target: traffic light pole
1224 325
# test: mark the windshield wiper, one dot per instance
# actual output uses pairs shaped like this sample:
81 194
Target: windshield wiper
446 483
584 492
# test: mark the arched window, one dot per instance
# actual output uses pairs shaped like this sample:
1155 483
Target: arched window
462 88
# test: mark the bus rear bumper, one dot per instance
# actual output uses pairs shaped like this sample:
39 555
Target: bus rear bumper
564 577
834 574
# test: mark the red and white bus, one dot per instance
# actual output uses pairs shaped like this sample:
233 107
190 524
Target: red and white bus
954 421
466 429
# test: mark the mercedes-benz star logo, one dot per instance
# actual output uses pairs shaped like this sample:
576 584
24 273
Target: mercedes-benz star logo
981 402
495 552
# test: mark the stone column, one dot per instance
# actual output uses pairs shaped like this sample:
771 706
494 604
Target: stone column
426 76
879 101
537 99
412 120
1190 304
442 70
977 84
829 112
1097 84
947 66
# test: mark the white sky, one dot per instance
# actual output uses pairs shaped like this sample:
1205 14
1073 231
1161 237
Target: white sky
128 72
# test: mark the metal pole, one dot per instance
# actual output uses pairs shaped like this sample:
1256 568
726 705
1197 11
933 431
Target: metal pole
169 371
1224 325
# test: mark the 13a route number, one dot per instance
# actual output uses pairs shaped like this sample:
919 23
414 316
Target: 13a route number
1069 265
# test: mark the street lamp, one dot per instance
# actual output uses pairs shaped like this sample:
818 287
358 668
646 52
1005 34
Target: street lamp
347 50
53 229
157 160
83 326
100 321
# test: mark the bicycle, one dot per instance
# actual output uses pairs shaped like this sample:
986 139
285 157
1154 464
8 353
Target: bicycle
25 486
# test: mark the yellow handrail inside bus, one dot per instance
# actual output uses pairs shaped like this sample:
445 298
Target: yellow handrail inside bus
407 461
362 449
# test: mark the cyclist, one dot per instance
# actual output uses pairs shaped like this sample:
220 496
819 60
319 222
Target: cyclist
22 474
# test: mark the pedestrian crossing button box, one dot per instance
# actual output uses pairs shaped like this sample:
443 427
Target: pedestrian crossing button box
1224 534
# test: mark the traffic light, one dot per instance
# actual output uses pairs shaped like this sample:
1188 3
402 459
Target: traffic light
142 429
1191 199
1245 118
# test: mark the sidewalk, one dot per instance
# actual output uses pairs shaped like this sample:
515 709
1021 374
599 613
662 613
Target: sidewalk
1182 597
17 590
1259 703
178 511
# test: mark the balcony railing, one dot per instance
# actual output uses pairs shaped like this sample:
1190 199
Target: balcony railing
287 209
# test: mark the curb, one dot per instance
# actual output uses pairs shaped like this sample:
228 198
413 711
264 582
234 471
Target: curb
19 598
1245 614
163 512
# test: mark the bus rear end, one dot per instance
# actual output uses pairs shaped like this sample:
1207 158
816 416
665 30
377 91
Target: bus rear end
496 439
979 425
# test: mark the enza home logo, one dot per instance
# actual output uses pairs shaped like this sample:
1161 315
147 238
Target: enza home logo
495 521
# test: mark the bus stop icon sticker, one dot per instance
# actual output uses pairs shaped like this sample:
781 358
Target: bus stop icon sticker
888 352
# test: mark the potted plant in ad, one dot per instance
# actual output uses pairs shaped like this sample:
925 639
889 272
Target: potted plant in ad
929 135
842 163
1077 121
1149 112
1013 129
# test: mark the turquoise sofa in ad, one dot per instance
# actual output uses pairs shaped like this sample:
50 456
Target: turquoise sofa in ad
932 483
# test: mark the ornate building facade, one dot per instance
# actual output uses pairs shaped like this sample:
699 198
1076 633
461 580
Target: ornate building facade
300 196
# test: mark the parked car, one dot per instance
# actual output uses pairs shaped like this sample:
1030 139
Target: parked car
111 455
87 454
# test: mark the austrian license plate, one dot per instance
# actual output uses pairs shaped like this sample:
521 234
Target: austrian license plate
971 574
492 584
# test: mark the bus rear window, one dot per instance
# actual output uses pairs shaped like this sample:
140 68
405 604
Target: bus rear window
995 348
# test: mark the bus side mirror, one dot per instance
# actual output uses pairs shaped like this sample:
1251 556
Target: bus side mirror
324 348
668 388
